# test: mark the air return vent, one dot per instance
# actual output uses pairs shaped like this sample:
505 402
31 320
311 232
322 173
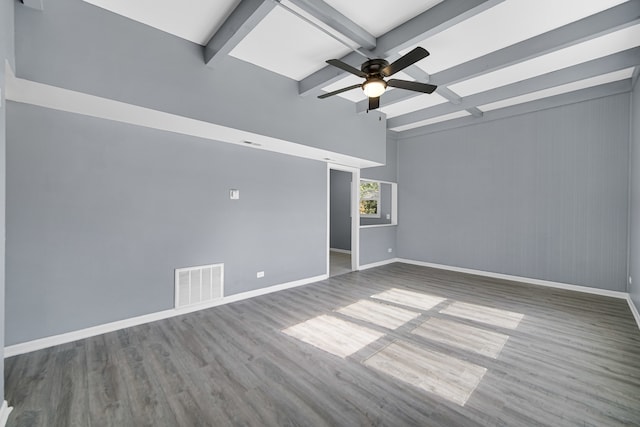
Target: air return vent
199 285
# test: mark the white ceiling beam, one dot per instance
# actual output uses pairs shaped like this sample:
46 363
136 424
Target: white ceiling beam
614 88
597 67
433 21
242 20
597 25
334 19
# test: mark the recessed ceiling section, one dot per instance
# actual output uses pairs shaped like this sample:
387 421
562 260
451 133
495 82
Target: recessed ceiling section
378 17
595 48
438 119
507 23
193 20
558 90
304 15
287 45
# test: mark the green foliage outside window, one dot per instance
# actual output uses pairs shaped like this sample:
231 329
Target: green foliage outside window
369 198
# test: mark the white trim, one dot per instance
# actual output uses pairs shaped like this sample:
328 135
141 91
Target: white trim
634 310
378 225
584 289
378 264
5 410
38 344
342 251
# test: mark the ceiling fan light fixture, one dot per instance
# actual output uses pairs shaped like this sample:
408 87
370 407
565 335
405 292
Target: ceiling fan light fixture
374 87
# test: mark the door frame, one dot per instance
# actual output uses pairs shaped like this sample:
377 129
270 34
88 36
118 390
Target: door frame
355 213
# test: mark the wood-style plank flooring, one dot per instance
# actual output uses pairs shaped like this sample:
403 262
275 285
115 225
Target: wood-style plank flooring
398 345
339 263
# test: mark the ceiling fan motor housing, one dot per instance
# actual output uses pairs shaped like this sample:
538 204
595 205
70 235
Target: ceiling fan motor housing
374 67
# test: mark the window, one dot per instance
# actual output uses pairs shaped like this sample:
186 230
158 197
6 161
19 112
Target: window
369 199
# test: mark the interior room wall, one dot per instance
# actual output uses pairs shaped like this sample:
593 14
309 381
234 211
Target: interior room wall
634 232
100 213
541 195
78 46
340 210
375 242
6 57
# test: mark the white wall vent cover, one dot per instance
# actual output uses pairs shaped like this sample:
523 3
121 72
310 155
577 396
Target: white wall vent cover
198 285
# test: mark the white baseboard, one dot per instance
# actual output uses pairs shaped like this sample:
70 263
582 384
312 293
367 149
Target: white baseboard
342 251
378 264
5 410
584 289
634 310
38 344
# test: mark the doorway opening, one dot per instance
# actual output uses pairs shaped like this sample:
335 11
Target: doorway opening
343 220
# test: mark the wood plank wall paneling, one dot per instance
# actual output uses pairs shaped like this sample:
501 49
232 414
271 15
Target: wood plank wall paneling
541 195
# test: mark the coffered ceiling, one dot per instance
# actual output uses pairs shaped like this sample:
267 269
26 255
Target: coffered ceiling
486 56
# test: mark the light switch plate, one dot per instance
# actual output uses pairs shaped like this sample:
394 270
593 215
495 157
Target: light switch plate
234 194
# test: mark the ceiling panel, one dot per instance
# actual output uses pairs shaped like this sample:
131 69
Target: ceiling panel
412 104
576 54
381 16
507 23
570 87
271 46
439 119
193 20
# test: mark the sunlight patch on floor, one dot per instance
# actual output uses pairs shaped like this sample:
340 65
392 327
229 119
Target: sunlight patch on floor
437 373
385 315
482 314
464 337
333 335
409 298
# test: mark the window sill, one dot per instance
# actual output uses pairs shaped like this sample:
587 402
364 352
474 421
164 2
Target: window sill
378 225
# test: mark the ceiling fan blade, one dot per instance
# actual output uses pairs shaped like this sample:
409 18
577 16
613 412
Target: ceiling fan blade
415 86
335 92
374 103
401 63
346 67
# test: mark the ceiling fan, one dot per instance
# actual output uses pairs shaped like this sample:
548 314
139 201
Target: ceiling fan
375 70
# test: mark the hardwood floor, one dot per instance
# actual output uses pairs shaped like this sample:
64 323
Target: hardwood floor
396 345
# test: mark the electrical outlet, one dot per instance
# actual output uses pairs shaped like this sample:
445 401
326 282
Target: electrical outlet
388 216
630 280
260 274
389 250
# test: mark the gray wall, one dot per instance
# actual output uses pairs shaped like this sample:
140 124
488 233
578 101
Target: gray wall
388 172
6 54
634 232
542 195
100 213
375 242
78 46
340 210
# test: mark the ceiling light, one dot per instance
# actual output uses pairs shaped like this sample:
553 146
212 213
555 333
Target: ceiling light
374 87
